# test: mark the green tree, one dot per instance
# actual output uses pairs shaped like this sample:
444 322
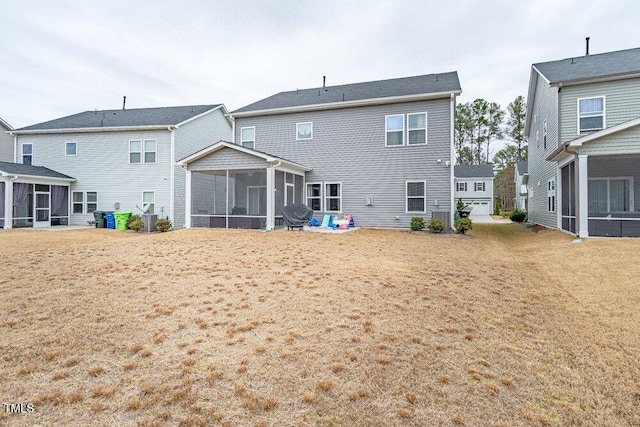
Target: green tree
478 123
508 156
517 112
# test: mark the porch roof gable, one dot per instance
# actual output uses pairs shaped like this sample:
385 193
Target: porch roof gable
225 144
578 142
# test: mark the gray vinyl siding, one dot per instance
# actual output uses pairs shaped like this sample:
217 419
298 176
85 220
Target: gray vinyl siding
545 106
6 145
623 142
102 165
621 103
226 158
348 147
190 138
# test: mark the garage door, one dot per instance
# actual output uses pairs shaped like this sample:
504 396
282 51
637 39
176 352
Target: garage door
480 208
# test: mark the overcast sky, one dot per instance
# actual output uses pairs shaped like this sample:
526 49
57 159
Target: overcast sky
63 57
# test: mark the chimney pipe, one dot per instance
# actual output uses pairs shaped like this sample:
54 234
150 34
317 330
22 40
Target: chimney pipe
124 101
324 81
587 52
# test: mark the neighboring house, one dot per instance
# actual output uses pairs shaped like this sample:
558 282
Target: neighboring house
583 126
6 142
380 151
521 179
474 186
113 160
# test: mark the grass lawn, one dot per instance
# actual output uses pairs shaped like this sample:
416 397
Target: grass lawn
374 327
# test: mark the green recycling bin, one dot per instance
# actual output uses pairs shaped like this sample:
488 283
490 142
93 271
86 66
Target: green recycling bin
121 220
99 217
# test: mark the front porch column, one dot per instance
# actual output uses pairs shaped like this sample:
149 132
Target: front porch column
582 186
8 204
187 200
271 198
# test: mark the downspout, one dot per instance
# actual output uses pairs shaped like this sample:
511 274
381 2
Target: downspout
451 163
172 174
15 147
233 129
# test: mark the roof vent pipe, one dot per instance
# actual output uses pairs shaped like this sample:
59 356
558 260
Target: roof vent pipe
324 81
587 52
124 101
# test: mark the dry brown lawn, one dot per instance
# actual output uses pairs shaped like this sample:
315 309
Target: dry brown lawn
505 327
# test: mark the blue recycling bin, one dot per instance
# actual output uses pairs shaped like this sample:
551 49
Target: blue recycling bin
110 219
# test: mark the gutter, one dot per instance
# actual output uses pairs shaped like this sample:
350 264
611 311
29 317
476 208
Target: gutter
92 129
346 104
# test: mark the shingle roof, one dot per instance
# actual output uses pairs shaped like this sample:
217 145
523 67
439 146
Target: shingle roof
523 167
30 170
591 67
473 171
163 116
407 86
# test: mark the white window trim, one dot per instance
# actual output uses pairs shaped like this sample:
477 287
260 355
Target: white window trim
386 131
66 144
324 193
307 196
73 202
426 118
144 151
141 152
298 133
22 152
482 184
461 184
85 202
551 192
154 198
406 196
604 114
614 178
242 141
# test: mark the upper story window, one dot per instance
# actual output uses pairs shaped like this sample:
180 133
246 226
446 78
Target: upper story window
27 154
394 130
142 151
416 199
304 131
479 186
590 114
70 148
417 123
461 186
248 137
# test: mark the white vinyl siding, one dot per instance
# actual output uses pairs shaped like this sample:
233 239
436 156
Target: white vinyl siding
248 137
394 125
304 131
416 196
417 124
590 114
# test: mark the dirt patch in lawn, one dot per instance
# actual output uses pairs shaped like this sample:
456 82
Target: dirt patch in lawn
374 327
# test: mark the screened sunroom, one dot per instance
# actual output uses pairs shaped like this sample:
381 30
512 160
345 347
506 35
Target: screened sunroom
230 186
